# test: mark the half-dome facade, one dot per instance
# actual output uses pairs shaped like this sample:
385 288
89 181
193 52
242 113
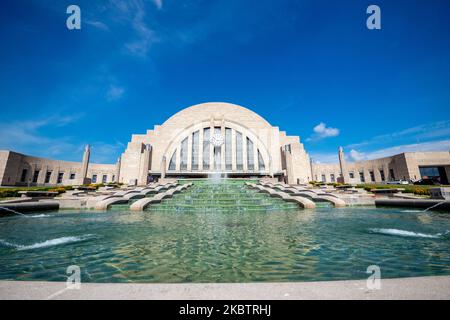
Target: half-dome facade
210 138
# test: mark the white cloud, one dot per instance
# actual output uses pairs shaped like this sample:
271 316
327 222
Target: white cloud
321 131
98 25
115 93
357 156
106 152
441 145
431 130
144 37
27 137
354 155
324 157
158 4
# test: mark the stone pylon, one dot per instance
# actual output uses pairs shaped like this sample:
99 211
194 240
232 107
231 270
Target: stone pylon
343 165
118 164
85 165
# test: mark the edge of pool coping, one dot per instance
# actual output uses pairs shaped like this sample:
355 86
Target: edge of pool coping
415 288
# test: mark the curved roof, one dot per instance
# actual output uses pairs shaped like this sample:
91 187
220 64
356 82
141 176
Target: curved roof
218 110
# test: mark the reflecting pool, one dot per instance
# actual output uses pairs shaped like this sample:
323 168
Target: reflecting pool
164 245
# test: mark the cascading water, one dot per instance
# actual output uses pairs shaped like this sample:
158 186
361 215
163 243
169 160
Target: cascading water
226 195
12 211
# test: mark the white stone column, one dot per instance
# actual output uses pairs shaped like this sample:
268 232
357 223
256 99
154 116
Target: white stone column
41 177
222 148
178 162
211 147
85 164
233 150
163 167
145 165
189 155
200 150
255 157
118 164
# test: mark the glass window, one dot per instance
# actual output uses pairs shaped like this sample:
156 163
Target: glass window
72 176
352 175
217 152
250 158
372 176
239 159
332 178
48 174
60 177
94 178
228 156
429 172
113 178
391 174
361 177
324 179
36 176
24 175
104 178
195 139
173 161
261 165
206 137
184 154
382 175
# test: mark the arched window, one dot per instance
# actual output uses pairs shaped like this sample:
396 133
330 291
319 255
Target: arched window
173 161
238 150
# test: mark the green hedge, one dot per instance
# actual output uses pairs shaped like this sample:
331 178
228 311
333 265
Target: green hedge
14 192
418 190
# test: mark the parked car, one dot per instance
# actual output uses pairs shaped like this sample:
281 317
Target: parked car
427 182
398 182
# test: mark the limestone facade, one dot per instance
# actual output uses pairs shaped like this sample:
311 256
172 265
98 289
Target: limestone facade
213 138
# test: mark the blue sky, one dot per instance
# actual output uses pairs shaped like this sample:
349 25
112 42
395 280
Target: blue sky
310 67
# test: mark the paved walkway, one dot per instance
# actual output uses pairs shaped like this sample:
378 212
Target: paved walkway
405 288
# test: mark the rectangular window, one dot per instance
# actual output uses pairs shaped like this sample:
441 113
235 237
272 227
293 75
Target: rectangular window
333 179
250 156
35 176
24 175
429 172
361 177
94 178
287 148
391 174
228 156
48 175
113 178
372 176
60 177
104 178
217 151
184 154
352 175
324 179
206 137
239 156
382 175
195 139
72 176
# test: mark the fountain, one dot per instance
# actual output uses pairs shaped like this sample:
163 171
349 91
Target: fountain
436 205
12 211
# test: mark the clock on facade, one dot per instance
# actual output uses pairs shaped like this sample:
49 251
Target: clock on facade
217 140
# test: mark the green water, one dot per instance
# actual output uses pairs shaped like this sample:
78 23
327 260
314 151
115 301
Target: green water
231 242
